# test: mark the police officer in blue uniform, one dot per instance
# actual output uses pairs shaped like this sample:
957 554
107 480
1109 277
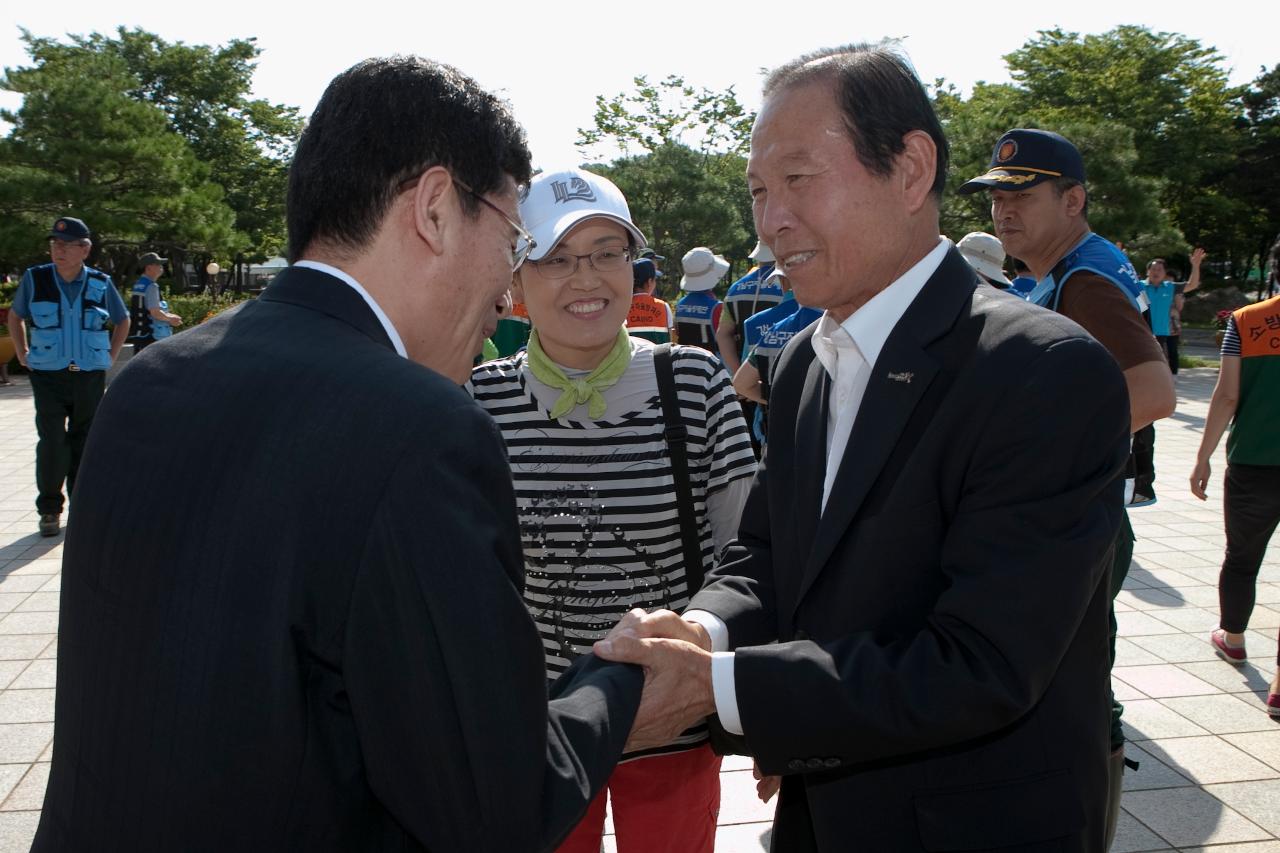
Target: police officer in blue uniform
149 317
59 322
1039 206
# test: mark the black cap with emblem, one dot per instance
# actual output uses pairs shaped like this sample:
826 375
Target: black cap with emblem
1023 158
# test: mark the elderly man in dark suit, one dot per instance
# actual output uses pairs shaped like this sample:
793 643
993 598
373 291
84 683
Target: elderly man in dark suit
304 630
927 540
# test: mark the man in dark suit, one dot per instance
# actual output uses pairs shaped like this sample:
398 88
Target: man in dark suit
303 629
927 540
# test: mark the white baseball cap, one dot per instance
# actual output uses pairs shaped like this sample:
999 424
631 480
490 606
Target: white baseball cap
557 201
702 269
761 254
985 254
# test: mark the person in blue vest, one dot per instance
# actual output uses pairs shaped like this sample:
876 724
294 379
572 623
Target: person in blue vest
754 327
1039 206
754 378
1023 282
698 311
149 317
59 322
751 294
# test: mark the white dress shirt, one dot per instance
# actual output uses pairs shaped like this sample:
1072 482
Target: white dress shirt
364 294
848 351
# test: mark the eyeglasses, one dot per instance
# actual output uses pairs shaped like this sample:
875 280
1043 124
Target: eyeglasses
524 239
563 265
524 245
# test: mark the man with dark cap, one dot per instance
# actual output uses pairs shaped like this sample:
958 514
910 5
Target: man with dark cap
1039 206
149 316
649 318
59 321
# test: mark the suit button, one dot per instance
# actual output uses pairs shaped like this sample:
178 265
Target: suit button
795 764
832 762
814 763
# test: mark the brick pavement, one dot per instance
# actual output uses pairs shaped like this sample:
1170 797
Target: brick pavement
1210 776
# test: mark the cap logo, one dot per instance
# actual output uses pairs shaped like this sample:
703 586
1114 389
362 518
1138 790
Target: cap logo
1006 152
60 226
575 190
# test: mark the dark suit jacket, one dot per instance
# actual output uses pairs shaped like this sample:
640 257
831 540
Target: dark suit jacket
941 677
291 612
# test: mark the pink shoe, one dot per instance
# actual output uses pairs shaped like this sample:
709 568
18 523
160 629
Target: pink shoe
1273 705
1230 654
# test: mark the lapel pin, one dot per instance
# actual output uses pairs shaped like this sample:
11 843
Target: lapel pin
902 377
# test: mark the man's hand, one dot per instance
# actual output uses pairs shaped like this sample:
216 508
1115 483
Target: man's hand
660 623
1200 479
175 320
766 786
1197 256
22 358
677 676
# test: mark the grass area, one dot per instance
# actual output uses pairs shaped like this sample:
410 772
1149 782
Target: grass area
1194 361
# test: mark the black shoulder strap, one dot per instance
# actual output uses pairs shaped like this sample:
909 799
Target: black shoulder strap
677 436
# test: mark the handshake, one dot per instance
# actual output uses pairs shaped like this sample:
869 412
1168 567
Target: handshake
676 657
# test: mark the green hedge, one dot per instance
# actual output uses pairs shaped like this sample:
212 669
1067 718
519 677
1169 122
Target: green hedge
195 308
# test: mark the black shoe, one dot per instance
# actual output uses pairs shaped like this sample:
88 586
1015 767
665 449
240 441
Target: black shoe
49 524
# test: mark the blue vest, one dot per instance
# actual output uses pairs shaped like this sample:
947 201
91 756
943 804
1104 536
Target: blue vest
757 324
1096 255
141 324
751 295
771 345
694 314
62 333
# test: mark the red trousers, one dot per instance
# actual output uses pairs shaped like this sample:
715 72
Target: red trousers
661 804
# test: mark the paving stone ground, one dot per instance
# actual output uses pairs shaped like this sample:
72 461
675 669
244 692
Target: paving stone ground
1210 777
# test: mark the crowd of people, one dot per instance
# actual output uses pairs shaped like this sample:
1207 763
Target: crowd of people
583 543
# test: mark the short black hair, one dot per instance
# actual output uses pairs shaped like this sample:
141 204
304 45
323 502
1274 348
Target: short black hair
382 122
1064 183
881 97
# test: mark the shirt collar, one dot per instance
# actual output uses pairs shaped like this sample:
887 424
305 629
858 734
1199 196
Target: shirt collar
364 294
870 326
79 279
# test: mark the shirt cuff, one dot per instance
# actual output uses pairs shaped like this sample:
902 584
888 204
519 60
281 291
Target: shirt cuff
715 627
725 691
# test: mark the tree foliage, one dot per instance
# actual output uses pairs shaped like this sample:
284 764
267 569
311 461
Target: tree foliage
683 164
155 145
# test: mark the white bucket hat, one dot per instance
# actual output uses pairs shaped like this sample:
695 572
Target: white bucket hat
702 269
985 254
761 254
557 201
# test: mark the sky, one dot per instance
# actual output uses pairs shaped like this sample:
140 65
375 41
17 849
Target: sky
551 60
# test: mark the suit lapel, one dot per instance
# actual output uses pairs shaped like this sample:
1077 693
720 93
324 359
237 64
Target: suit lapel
319 291
811 445
899 380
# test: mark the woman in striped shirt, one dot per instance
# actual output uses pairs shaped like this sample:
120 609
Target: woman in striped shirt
582 418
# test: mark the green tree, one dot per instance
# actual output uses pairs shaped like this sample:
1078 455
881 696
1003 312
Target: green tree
1256 179
80 144
683 164
241 145
1171 92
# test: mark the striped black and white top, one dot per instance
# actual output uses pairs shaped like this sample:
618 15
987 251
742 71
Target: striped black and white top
598 517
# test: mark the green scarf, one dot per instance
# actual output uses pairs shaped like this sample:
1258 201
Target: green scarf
587 389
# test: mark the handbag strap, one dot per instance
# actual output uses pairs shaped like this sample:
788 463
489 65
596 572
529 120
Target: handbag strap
677 436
